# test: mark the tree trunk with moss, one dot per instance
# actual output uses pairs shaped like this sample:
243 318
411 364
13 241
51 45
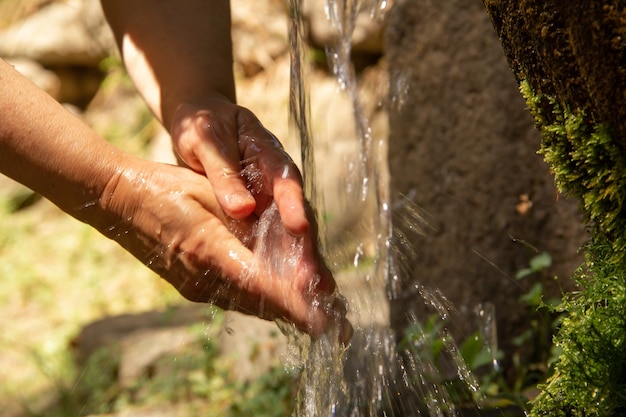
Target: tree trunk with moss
569 58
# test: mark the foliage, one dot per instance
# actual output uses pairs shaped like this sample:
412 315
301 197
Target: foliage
590 374
544 320
431 342
58 274
537 264
447 371
270 396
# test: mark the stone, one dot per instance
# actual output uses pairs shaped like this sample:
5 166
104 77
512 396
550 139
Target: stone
463 149
70 38
250 345
124 330
253 346
144 347
63 33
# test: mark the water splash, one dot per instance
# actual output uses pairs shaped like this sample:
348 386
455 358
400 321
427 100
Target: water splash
337 382
486 314
381 373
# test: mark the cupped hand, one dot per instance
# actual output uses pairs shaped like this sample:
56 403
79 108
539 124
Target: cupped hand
244 162
170 219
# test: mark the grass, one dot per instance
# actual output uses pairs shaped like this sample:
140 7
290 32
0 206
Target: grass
58 274
196 380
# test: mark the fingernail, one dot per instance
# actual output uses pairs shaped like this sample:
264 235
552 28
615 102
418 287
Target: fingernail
239 198
241 203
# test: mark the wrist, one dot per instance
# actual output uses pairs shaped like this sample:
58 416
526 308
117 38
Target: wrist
191 106
120 196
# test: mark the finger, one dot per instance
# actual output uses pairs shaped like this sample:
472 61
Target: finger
289 197
327 317
281 178
253 290
318 310
337 325
302 294
217 156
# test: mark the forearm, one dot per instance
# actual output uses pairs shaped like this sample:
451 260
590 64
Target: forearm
179 54
48 149
175 51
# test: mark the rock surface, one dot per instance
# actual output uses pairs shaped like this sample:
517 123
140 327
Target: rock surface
70 38
62 33
463 149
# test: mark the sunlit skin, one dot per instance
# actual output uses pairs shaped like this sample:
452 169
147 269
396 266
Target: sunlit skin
191 55
185 222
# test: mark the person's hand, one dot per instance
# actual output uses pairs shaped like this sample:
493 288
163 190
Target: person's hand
169 218
244 162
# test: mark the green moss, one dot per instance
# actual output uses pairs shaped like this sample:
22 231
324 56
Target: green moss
587 163
589 377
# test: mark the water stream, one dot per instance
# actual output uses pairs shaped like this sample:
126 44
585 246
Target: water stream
381 373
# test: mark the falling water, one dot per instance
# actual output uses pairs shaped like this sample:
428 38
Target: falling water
376 375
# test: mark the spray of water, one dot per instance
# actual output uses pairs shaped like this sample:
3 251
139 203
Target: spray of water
380 373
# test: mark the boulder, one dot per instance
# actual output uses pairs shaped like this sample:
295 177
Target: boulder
71 39
126 330
139 342
68 33
252 346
